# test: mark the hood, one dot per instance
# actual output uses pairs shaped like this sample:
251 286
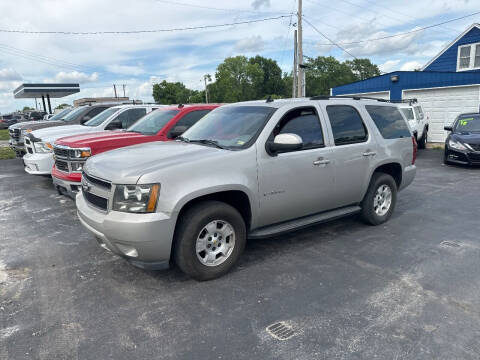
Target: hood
469 138
36 124
109 139
53 133
126 165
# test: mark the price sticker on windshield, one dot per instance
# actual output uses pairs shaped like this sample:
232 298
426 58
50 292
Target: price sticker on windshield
465 121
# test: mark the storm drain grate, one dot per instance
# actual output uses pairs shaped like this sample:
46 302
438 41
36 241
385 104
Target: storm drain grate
280 331
452 244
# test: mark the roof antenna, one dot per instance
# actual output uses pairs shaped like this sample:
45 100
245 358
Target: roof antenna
269 99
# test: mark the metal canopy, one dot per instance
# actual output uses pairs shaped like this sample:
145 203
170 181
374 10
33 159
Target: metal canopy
38 90
30 91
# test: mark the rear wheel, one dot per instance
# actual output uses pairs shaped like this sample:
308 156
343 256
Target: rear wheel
380 199
422 142
209 239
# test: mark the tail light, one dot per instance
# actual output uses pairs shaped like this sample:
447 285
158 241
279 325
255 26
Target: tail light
415 148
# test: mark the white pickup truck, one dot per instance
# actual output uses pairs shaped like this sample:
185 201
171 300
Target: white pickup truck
39 143
417 120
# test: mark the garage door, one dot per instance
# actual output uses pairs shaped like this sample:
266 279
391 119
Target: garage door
378 95
442 105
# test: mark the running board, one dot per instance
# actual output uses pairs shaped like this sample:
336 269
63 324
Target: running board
296 224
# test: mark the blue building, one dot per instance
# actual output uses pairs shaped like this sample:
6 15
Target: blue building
446 86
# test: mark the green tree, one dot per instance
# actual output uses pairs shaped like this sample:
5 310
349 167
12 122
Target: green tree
272 83
62 106
236 80
27 108
363 68
171 93
323 73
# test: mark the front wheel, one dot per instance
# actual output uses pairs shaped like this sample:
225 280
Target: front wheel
380 199
209 240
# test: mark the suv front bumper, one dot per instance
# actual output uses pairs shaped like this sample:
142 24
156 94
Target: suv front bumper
18 147
145 240
38 164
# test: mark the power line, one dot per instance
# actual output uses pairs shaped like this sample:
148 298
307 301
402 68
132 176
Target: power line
407 32
326 37
36 59
144 31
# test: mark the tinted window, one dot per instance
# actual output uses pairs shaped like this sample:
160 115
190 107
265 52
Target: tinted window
73 115
100 118
128 117
153 122
94 112
192 117
347 124
389 121
304 123
233 127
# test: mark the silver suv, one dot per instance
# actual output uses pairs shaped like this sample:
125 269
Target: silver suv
246 170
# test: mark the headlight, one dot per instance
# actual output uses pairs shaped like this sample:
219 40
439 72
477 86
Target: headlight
42 147
82 153
456 145
136 198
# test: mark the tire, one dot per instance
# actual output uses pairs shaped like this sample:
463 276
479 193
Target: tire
192 227
422 143
369 203
445 159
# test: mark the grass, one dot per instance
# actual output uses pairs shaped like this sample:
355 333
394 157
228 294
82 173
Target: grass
6 153
4 134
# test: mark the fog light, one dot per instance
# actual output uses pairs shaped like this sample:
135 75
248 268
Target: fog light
128 250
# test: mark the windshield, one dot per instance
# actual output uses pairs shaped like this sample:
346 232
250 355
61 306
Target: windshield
154 122
73 114
408 113
230 127
469 123
100 118
61 114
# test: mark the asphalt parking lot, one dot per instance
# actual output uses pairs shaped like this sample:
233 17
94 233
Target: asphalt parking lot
408 289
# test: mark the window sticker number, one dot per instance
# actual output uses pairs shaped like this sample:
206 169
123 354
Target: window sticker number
464 122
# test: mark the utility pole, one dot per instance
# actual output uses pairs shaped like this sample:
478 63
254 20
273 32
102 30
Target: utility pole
301 71
294 82
124 90
115 90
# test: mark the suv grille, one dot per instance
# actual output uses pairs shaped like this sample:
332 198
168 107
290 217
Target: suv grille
95 200
475 147
61 165
61 152
15 134
98 182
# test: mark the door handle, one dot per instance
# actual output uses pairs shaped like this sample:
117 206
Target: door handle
369 153
321 162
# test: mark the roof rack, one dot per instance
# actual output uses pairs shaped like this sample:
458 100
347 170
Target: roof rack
405 101
327 97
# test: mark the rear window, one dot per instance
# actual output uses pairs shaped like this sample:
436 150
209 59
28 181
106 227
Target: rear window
408 113
389 121
347 125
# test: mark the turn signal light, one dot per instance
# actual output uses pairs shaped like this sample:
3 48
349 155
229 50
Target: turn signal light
85 153
152 202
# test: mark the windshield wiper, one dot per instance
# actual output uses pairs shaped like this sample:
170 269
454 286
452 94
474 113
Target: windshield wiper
182 138
208 142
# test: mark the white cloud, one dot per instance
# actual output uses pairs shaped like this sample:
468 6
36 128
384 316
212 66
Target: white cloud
126 69
75 77
389 66
258 3
411 65
251 44
9 74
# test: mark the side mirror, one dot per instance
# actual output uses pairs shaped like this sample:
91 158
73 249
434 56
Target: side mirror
284 143
177 131
448 128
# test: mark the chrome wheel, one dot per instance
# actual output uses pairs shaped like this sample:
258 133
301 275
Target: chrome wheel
382 200
215 243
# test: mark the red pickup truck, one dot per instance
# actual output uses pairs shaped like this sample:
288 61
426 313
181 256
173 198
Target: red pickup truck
164 124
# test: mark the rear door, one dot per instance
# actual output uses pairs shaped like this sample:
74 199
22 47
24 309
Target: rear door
352 154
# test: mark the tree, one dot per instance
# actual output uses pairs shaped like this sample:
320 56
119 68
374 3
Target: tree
272 83
27 108
171 93
236 80
62 106
323 73
363 68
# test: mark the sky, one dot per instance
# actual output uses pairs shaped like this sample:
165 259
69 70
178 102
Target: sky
97 62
